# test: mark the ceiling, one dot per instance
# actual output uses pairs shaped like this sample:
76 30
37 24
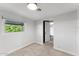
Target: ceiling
49 10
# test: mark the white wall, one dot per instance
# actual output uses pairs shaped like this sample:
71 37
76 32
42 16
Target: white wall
78 32
65 32
39 31
10 42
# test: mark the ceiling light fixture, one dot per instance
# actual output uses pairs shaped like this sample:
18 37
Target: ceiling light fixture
32 6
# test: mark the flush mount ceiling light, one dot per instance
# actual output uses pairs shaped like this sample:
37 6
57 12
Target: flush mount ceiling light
32 6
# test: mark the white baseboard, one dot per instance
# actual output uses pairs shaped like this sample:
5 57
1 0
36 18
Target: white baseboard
17 48
39 43
73 54
3 54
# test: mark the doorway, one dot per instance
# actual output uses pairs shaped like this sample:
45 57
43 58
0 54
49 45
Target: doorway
48 32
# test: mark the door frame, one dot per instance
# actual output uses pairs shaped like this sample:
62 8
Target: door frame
44 29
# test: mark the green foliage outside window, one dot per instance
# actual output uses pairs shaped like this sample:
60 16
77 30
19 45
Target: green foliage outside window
13 28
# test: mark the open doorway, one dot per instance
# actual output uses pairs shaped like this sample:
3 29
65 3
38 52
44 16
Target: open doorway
48 32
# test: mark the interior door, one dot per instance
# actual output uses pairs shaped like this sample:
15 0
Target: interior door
47 31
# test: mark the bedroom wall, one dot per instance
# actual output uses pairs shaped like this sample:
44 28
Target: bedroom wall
10 42
78 32
65 32
39 31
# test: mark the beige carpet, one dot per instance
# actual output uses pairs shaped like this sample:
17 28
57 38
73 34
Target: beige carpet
38 50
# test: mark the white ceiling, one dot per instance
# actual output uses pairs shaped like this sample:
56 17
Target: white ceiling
49 10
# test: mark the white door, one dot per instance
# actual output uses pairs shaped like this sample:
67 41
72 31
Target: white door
47 31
